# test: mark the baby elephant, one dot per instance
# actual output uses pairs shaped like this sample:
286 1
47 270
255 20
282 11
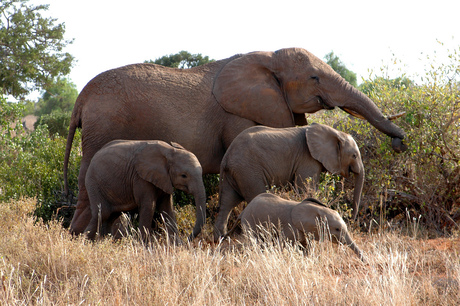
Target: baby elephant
260 156
294 219
128 174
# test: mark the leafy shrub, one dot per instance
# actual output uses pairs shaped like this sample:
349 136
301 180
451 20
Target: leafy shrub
31 163
57 123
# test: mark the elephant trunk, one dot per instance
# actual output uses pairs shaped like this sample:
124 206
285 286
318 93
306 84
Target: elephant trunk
359 183
200 203
359 105
351 244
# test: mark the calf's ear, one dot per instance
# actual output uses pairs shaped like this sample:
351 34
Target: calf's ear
151 164
324 144
303 216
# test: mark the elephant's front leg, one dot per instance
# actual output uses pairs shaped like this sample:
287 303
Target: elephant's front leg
146 196
166 208
146 211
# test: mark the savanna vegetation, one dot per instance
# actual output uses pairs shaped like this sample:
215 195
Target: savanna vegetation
408 225
40 263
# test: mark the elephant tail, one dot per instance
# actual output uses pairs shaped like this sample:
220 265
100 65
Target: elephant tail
75 122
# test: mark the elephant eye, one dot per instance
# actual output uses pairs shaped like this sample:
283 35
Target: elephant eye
355 156
184 175
316 78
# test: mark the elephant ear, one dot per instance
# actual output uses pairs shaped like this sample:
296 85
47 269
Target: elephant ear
247 87
324 144
151 164
177 146
303 217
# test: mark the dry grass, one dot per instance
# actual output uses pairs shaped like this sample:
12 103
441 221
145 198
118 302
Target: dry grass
43 264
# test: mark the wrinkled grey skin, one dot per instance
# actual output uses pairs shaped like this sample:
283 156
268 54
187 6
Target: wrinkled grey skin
295 220
204 108
262 156
127 174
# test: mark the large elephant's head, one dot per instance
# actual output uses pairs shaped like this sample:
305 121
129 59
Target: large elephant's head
277 88
339 154
169 167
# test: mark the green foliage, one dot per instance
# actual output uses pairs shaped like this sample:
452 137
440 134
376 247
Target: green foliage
10 113
370 86
185 217
425 180
336 64
29 107
183 59
57 123
31 48
31 163
60 96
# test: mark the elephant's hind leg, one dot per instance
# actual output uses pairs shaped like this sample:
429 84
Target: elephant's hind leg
100 211
82 214
228 199
100 216
91 229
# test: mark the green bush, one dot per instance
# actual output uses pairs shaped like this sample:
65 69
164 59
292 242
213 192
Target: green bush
31 163
57 123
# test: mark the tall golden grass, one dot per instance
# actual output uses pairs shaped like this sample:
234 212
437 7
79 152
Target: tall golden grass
42 264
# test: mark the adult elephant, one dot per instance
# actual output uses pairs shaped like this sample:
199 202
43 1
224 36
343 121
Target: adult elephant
206 107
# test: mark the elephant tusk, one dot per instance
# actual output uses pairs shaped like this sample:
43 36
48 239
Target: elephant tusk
353 113
393 117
